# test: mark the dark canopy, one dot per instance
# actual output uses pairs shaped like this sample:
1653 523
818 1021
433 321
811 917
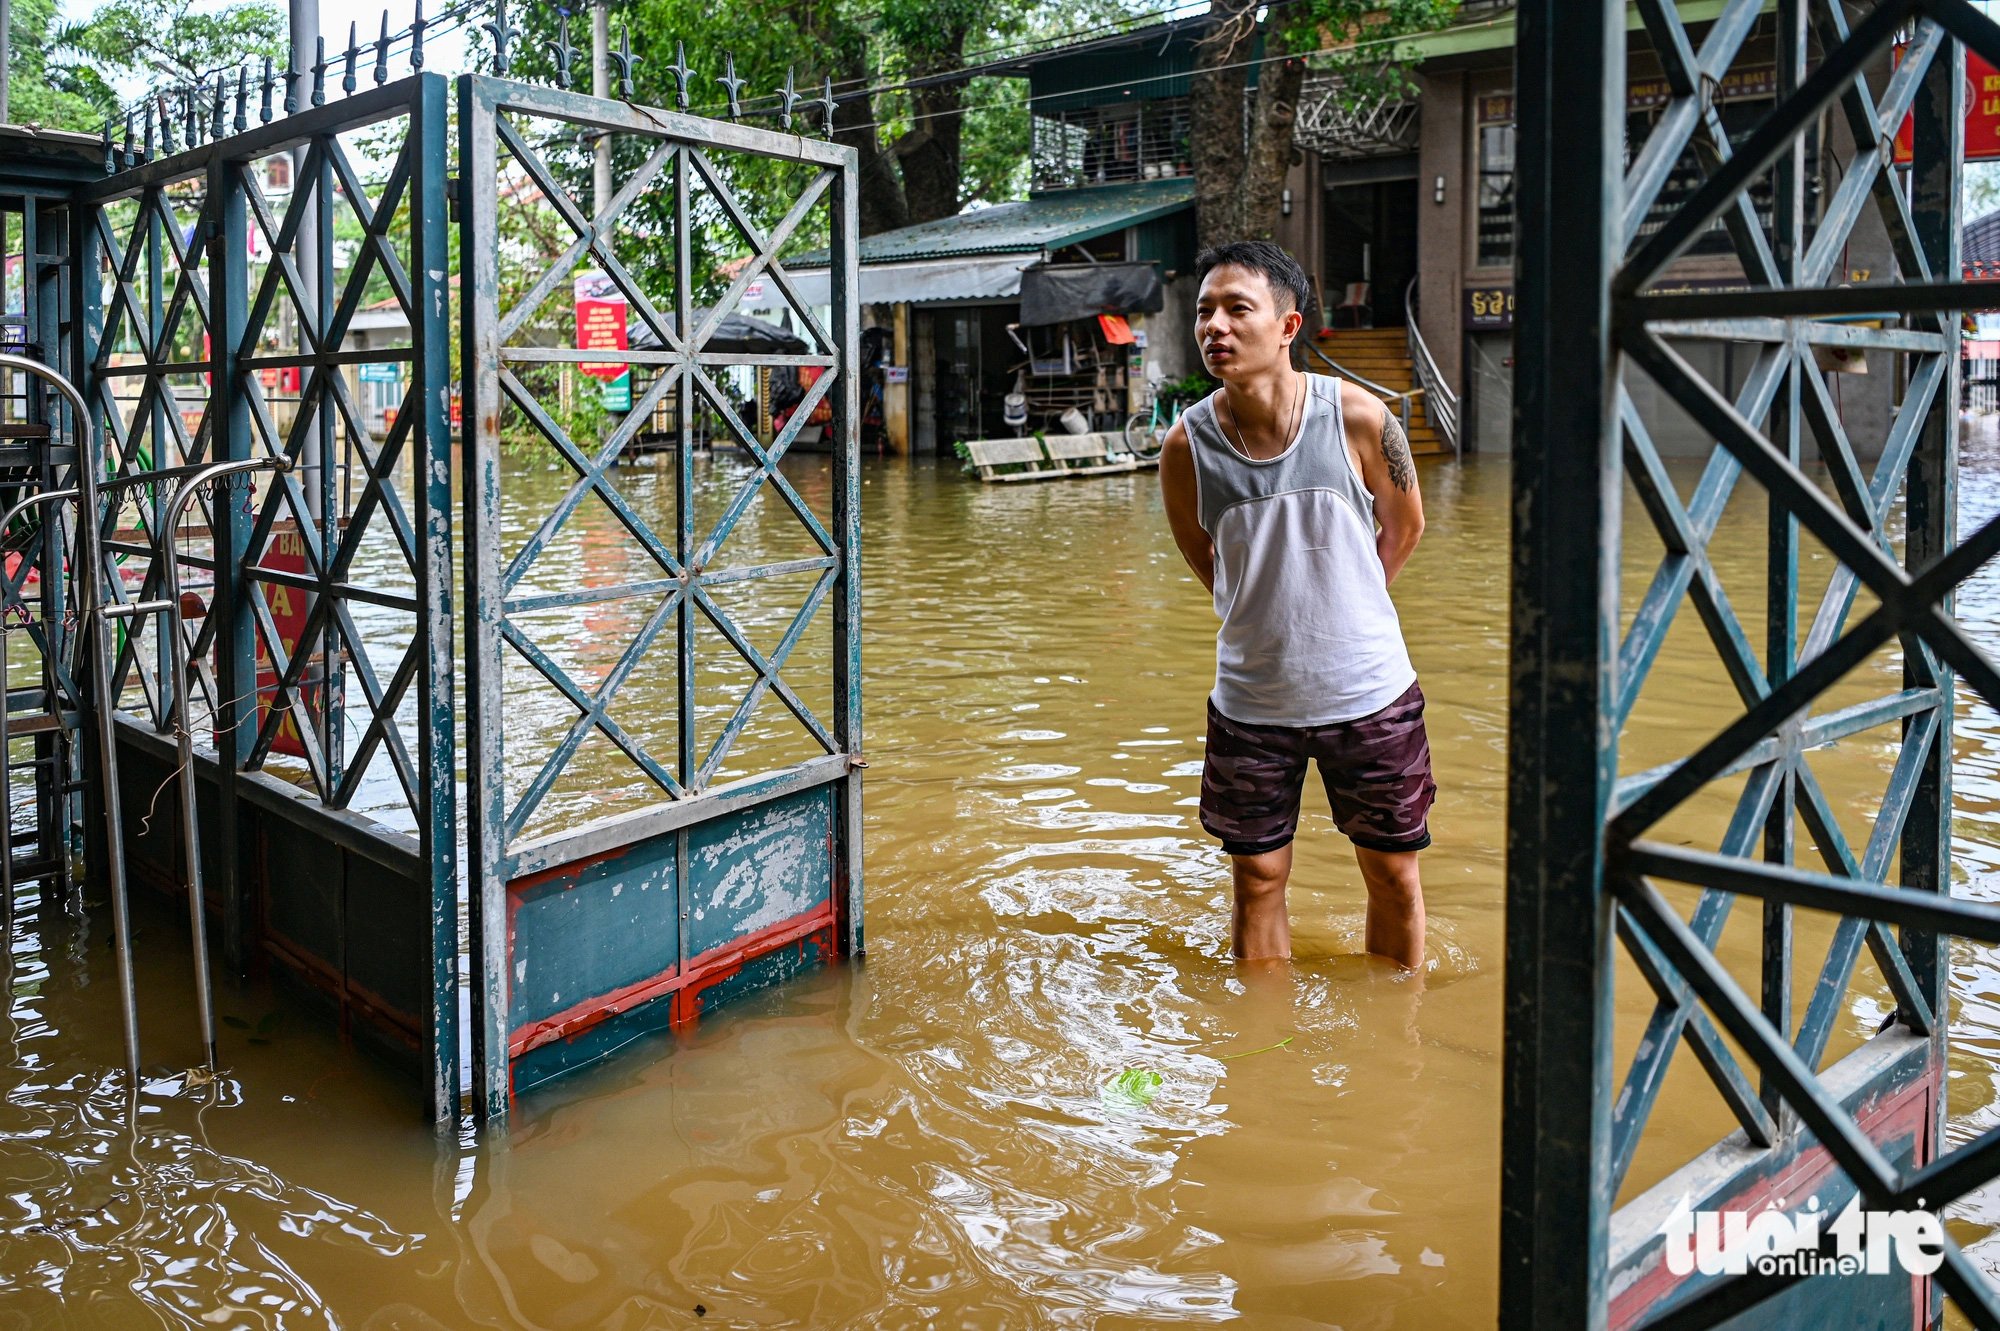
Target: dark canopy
737 332
1057 293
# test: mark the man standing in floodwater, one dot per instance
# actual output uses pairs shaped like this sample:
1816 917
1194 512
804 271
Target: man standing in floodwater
1294 500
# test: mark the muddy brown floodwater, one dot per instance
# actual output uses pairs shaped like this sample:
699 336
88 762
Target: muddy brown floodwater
1046 1098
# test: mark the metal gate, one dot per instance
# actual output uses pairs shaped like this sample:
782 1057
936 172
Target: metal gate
211 323
321 669
690 885
1587 856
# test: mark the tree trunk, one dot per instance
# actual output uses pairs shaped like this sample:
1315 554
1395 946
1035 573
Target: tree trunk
1269 159
930 153
1215 120
881 204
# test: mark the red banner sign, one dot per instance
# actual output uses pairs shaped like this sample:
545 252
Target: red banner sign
285 554
600 323
1982 113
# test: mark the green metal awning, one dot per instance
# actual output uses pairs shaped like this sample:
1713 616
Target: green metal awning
1045 222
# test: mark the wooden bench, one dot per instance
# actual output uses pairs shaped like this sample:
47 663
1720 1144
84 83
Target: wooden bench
1089 454
987 454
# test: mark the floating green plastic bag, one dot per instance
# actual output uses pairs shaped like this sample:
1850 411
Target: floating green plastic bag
1133 1088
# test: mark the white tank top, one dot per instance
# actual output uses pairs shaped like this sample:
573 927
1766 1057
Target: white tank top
1309 636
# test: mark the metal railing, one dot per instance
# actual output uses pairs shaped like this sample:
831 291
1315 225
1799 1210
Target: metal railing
86 559
1443 402
188 480
1334 122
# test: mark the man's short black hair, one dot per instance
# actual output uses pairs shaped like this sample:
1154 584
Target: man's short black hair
1280 269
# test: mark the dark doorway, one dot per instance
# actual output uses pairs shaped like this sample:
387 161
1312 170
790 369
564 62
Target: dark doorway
973 370
1371 236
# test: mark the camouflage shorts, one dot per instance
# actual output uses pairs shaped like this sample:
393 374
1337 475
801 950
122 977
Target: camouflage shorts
1377 771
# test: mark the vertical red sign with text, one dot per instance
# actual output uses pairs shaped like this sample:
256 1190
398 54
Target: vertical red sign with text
601 310
1982 113
285 554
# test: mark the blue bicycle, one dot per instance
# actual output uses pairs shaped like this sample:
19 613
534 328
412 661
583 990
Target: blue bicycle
1146 431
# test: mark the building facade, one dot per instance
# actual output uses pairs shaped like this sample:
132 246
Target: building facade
1401 210
1414 198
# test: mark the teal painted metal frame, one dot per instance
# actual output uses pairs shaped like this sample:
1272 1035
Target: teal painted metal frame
678 149
212 285
1580 865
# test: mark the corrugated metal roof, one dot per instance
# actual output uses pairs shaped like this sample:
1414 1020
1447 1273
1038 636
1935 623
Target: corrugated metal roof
1981 239
1048 221
964 277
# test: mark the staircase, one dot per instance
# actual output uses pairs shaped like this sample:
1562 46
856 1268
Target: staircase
1382 355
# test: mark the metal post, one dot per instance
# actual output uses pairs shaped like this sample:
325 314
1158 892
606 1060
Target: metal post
86 335
1931 528
310 255
6 55
430 445
684 626
1931 525
234 711
1567 490
1781 566
846 270
600 86
485 780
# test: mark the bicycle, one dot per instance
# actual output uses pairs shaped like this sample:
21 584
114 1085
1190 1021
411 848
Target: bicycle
1146 431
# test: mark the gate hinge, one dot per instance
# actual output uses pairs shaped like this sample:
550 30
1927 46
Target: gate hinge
451 192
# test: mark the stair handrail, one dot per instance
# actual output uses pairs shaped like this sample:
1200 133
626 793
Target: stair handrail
86 559
1401 398
189 479
1443 401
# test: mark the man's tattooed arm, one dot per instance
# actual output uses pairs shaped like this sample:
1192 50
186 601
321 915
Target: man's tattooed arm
1396 451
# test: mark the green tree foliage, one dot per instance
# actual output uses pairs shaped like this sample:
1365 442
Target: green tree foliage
931 138
1240 161
65 75
53 80
176 42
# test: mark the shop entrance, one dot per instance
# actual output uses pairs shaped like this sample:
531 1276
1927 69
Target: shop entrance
1370 236
972 368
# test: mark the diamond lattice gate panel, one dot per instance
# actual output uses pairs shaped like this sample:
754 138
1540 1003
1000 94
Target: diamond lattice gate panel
317 639
1830 1067
663 660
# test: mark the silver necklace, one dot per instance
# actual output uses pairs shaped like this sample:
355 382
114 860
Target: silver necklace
1295 415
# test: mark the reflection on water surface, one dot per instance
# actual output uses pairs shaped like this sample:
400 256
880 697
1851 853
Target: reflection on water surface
1045 1099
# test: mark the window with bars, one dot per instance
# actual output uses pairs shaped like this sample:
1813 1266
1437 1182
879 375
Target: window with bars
1107 145
1496 176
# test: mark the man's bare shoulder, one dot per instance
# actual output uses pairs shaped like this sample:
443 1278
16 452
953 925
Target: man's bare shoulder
1362 412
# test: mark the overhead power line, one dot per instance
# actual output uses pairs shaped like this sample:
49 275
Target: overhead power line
1028 100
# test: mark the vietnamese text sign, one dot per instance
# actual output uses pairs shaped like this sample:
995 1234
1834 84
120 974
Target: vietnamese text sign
600 322
616 394
1982 113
